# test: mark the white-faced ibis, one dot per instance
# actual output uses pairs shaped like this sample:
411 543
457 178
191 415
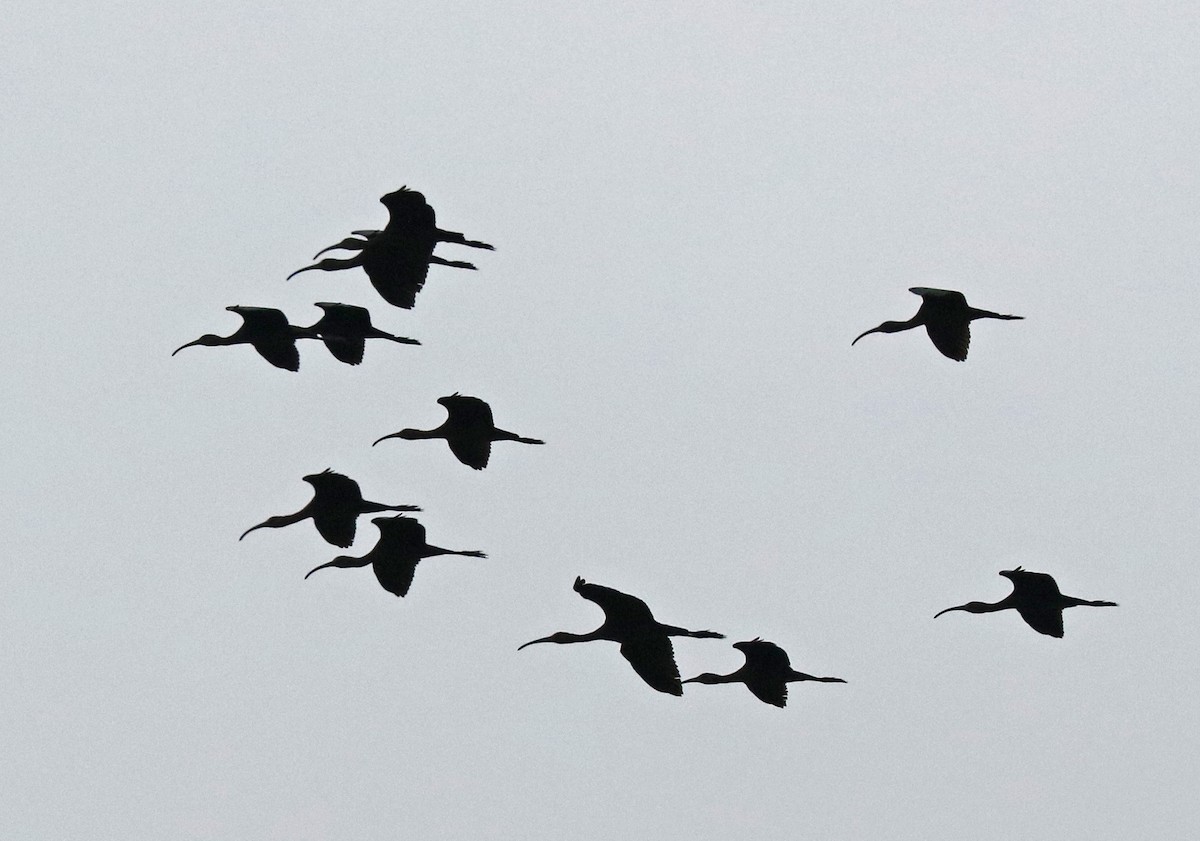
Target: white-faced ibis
645 642
1036 597
395 557
468 429
334 508
397 258
345 328
947 318
766 672
267 331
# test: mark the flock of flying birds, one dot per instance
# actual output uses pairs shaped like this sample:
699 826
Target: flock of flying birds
396 260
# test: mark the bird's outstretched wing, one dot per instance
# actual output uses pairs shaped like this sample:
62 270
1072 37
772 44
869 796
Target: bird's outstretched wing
951 337
395 571
473 446
769 691
1043 618
653 658
397 268
620 608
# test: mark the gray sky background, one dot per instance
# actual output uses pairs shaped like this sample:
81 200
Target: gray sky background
696 207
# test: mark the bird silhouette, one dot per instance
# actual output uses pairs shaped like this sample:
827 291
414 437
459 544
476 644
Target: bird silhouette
267 331
1036 597
468 429
334 508
397 258
345 329
395 557
947 318
766 672
645 642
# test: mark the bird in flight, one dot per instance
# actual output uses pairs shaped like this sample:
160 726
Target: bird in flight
645 642
468 429
766 672
395 557
345 328
397 258
1036 597
947 319
267 331
334 508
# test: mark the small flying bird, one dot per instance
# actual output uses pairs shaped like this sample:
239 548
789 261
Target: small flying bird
334 508
1036 597
397 258
766 672
645 642
947 318
267 330
395 557
345 328
468 429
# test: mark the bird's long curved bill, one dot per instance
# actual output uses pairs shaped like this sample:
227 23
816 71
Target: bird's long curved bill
867 333
181 347
252 528
533 642
322 566
384 438
947 610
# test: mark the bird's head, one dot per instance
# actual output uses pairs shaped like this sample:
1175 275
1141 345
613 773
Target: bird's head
208 339
560 637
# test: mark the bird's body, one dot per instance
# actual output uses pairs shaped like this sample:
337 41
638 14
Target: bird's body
1036 597
267 331
345 328
397 258
947 318
766 672
395 557
469 430
645 642
337 501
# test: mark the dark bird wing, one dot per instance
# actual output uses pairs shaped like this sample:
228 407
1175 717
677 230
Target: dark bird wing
1039 601
398 552
471 438
268 331
343 329
951 336
766 667
621 610
397 267
653 658
339 502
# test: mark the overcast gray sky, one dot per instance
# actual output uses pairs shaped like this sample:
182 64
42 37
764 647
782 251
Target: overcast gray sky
696 207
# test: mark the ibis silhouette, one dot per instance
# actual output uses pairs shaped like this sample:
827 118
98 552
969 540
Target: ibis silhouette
1036 597
267 331
395 557
345 328
947 319
397 258
468 429
645 642
334 508
766 672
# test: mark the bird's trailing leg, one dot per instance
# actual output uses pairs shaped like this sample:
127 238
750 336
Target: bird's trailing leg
454 264
505 435
672 631
459 239
430 551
